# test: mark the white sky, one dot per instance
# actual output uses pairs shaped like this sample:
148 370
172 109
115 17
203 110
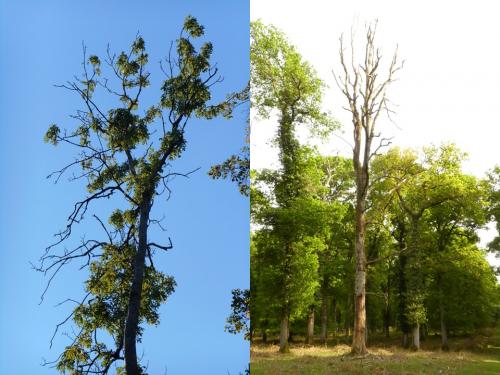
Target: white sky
448 91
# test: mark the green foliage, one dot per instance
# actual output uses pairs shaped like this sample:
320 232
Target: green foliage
239 320
282 81
237 167
52 134
494 211
424 213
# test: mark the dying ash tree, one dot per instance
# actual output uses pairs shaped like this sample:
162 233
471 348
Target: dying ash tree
364 84
126 152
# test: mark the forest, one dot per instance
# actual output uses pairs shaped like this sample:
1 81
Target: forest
377 249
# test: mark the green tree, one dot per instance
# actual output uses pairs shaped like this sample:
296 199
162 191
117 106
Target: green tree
119 157
460 217
494 211
285 85
285 262
237 166
238 321
335 192
437 200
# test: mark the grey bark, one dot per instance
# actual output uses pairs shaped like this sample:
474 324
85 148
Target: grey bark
416 336
324 317
444 330
310 328
284 346
359 333
132 321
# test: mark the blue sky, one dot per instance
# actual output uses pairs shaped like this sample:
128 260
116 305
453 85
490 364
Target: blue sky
208 221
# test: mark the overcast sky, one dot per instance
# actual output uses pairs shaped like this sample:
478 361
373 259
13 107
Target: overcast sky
447 91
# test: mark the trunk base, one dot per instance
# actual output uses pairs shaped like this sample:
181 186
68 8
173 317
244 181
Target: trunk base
285 348
416 338
284 336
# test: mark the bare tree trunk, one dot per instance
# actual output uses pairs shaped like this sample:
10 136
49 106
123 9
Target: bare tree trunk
444 330
132 321
365 92
416 336
334 316
324 317
347 316
386 323
284 347
359 334
310 328
387 306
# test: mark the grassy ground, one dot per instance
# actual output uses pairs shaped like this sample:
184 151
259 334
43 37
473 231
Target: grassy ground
478 355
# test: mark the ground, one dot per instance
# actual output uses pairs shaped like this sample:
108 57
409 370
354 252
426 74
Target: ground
478 355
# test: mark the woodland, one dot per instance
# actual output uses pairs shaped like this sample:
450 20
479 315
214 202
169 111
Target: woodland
369 262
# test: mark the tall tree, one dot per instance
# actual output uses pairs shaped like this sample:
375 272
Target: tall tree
461 217
365 89
335 192
283 84
437 200
119 156
494 211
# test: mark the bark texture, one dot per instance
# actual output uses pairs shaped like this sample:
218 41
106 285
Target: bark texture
324 318
416 336
132 321
284 346
444 330
365 90
310 328
359 333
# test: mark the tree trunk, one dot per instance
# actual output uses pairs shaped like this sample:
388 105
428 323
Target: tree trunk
310 328
405 341
324 318
334 316
347 316
424 332
359 334
444 331
284 347
405 326
387 306
416 336
386 324
132 321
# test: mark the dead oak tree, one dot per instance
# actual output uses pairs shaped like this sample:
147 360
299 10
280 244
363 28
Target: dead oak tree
365 89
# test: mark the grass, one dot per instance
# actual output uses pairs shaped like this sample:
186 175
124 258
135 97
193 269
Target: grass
478 355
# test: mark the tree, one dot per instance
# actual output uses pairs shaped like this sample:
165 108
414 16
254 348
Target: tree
285 264
238 321
366 93
119 157
283 84
494 211
436 201
237 166
460 217
335 191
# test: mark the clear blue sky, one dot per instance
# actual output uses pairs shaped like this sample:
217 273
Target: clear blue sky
208 221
